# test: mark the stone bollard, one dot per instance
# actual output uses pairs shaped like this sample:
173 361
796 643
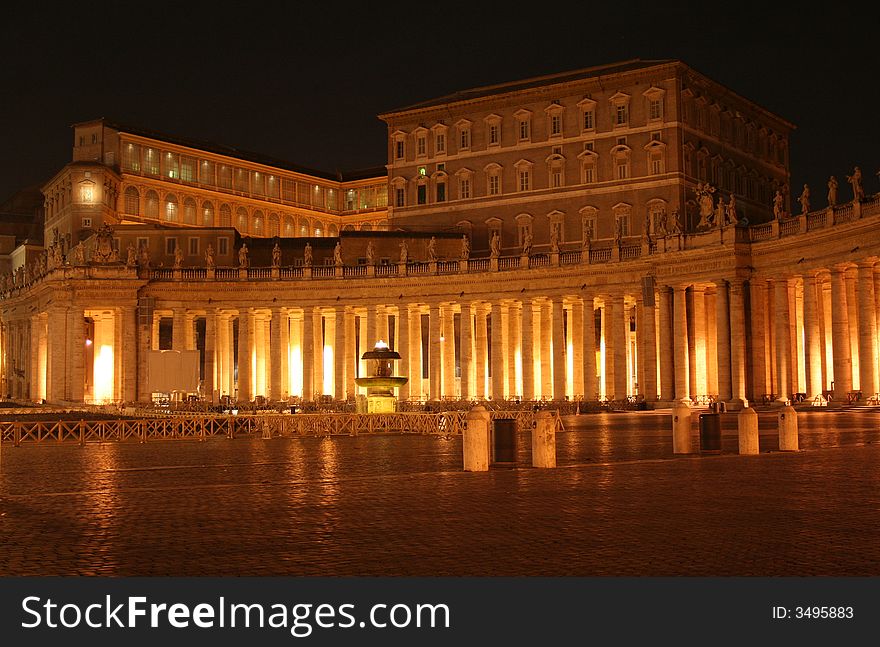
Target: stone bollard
681 429
788 430
747 422
544 440
475 440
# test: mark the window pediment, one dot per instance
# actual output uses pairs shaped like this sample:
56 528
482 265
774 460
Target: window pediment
463 123
492 118
588 155
555 157
621 149
493 222
621 208
586 104
492 167
524 219
523 113
655 146
464 172
619 98
654 92
556 216
523 163
554 108
439 128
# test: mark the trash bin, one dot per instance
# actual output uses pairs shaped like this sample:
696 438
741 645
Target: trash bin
710 433
503 442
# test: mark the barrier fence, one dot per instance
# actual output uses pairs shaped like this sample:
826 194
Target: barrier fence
229 426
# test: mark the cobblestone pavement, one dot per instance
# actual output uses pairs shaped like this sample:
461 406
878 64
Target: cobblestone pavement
619 504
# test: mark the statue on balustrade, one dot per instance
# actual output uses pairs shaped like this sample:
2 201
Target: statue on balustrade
707 205
804 199
495 245
661 227
178 257
527 242
57 258
404 252
856 181
276 255
243 256
465 247
307 255
646 229
720 213
554 237
337 255
676 222
131 253
144 256
832 191
618 232
778 205
209 256
371 253
732 217
432 249
79 255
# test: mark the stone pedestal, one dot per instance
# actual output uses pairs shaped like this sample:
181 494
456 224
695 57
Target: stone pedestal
475 440
544 440
788 430
747 423
682 443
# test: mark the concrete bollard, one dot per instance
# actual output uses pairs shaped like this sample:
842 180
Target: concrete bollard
681 429
788 429
544 440
475 440
747 422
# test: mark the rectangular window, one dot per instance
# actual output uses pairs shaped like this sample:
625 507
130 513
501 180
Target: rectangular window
588 120
524 129
206 172
464 188
589 174
241 180
464 141
494 185
588 146
525 182
655 136
399 150
151 161
440 143
494 137
656 164
655 110
422 194
621 141
223 245
420 146
172 167
622 170
170 246
441 192
623 225
557 150
258 183
193 246
555 125
556 178
187 169
621 116
87 223
224 177
131 157
399 197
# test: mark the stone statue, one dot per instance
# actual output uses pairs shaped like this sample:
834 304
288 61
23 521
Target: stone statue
676 222
804 199
104 252
276 255
404 252
57 258
527 243
856 181
432 249
618 232
661 227
646 228
79 255
371 253
243 256
144 256
209 256
337 254
307 255
832 191
554 237
178 257
732 216
495 245
707 205
778 205
131 261
720 213
465 247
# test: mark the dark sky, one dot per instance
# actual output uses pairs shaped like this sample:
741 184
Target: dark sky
304 82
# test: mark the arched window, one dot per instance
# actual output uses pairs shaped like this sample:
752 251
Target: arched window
207 214
241 219
333 231
171 210
152 205
274 224
289 227
304 228
225 216
365 226
258 223
189 211
132 201
319 229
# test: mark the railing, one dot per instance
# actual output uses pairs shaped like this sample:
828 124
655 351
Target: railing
569 258
600 255
761 232
194 273
447 267
226 273
631 252
845 213
291 272
539 260
324 271
816 220
163 274
418 268
789 227
354 270
478 265
259 273
508 262
386 270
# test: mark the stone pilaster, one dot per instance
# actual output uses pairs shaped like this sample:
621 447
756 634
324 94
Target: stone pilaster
680 344
840 336
558 346
466 351
722 341
496 356
591 385
527 346
812 348
434 361
867 329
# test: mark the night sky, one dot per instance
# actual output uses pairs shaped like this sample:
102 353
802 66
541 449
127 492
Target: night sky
304 84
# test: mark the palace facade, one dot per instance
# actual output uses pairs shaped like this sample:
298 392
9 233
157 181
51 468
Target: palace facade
616 232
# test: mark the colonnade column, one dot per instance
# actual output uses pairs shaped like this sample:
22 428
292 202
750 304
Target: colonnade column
697 343
722 328
447 323
480 349
339 365
307 350
591 387
680 344
56 354
210 366
496 353
434 351
736 305
319 343
648 347
403 322
465 352
511 335
783 339
852 313
544 349
558 343
812 352
178 325
840 336
867 329
527 350
349 356
576 329
619 324
245 384
127 322
665 350
416 359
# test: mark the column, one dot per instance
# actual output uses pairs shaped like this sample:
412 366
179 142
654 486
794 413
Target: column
480 348
56 357
372 328
339 364
758 337
383 331
665 350
416 360
591 386
558 348
545 350
698 362
127 322
465 352
307 350
680 345
76 339
711 301
618 322
319 343
258 380
351 358
448 349
577 347
403 323
867 329
812 348
648 348
852 311
178 330
527 350
434 368
737 343
840 336
609 316
497 351
245 379
722 328
783 340
511 335
273 354
210 366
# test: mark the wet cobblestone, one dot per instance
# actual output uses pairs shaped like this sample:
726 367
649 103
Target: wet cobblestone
620 504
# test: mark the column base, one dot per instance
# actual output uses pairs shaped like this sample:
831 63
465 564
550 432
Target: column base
736 404
780 402
685 401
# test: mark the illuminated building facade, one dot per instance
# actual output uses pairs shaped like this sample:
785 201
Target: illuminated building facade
605 233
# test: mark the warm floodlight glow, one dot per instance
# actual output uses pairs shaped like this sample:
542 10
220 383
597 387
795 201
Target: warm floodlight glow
329 370
296 371
104 375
